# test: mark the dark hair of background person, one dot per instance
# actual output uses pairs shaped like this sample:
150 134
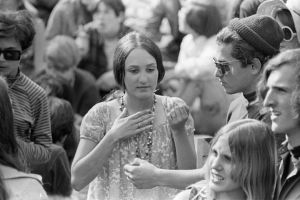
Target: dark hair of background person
62 118
116 5
205 19
18 25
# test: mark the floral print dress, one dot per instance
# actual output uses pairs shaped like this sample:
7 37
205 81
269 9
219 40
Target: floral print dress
111 182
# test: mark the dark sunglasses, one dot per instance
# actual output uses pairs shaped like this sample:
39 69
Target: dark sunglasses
288 33
223 67
11 54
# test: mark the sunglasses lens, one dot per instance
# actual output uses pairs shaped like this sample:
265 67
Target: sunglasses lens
287 33
222 68
11 54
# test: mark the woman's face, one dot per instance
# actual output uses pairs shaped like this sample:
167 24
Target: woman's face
9 67
141 74
220 168
107 21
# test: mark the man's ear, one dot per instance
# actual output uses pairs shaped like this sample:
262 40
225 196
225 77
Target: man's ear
256 66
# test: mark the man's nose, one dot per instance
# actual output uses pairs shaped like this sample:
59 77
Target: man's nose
269 99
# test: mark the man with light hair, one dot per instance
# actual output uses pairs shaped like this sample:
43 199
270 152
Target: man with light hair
280 89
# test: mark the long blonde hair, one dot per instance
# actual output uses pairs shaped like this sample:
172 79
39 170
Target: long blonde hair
253 148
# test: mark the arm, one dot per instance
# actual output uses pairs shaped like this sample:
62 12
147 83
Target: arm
182 127
40 132
89 159
91 156
145 175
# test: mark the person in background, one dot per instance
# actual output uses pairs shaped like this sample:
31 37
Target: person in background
240 164
32 58
249 7
57 88
194 69
287 15
135 126
14 182
146 17
68 15
42 8
62 57
97 41
57 172
29 101
280 89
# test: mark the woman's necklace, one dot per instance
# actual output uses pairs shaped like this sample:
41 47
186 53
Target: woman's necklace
148 151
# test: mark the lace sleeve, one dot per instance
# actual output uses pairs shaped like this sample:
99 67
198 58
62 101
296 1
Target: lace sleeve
93 126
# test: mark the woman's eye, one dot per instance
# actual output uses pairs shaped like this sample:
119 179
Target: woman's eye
150 69
227 158
134 71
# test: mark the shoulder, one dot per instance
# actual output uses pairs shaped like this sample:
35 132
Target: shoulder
28 86
240 101
199 190
102 109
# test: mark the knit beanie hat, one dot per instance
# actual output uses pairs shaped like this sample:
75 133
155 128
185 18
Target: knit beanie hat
260 31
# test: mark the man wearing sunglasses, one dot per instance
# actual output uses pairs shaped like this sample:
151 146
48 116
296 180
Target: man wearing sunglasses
29 101
244 46
288 16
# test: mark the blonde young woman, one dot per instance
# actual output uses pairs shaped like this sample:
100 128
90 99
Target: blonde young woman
136 125
240 165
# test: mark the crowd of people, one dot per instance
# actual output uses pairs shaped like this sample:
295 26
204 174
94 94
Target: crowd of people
150 99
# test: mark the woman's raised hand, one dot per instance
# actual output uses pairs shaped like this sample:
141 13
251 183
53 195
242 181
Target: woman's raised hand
125 126
178 115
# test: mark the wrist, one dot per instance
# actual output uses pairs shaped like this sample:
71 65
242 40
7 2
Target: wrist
112 137
158 174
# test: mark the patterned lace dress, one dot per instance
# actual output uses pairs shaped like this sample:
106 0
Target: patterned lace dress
111 182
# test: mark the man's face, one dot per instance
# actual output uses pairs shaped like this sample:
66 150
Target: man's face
280 86
233 77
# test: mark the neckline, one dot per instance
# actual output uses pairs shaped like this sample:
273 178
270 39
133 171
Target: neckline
250 96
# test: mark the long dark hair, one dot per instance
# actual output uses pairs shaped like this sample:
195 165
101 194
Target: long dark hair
9 148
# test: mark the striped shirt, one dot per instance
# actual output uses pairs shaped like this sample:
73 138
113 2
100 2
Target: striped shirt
31 119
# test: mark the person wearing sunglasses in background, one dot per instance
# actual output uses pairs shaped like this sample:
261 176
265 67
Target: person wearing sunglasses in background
244 46
288 16
29 101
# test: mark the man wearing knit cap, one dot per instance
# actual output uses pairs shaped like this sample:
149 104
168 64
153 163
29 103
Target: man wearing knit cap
288 16
244 46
